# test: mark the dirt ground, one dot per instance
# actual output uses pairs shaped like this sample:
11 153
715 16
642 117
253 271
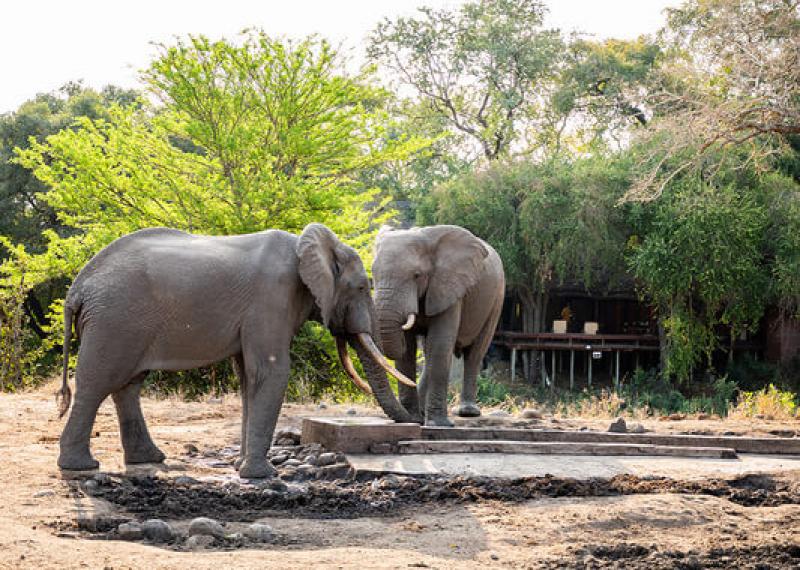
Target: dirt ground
623 522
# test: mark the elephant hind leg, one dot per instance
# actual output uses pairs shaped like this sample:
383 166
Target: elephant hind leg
238 367
74 451
136 441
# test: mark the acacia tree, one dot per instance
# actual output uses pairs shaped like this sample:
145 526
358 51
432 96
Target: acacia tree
263 134
485 68
731 80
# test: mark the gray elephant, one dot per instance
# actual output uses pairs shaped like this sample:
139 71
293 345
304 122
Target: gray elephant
163 299
446 285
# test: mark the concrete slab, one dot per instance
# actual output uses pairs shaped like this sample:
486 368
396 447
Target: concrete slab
357 435
576 466
560 448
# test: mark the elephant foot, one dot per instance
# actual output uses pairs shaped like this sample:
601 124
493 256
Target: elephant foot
238 463
149 454
77 461
256 469
468 410
438 421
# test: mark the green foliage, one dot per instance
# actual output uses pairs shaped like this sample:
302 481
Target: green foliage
767 403
252 135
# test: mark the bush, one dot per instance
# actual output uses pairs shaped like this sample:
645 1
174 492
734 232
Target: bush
768 403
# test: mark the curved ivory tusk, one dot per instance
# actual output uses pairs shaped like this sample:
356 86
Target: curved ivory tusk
344 357
369 344
412 318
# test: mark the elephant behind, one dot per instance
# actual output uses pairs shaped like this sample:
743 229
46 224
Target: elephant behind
163 299
446 285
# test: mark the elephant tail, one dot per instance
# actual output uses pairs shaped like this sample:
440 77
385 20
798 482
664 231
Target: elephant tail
64 395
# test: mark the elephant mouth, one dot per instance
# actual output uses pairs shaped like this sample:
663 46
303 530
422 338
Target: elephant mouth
369 345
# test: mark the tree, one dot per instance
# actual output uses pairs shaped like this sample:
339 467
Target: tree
266 134
551 223
731 80
485 69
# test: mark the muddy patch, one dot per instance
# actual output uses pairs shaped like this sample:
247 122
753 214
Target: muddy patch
652 557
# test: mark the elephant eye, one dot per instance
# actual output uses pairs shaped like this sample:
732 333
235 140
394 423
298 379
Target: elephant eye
417 274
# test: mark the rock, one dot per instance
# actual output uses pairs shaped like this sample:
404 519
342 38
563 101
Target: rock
289 433
277 485
231 485
206 526
310 460
389 482
618 426
44 493
338 471
499 414
351 412
289 473
102 478
285 442
306 471
90 486
190 449
637 428
215 400
326 459
258 532
322 406
130 531
157 530
531 414
292 463
278 459
199 541
185 480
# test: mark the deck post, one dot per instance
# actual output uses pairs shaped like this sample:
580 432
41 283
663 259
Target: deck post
589 368
553 366
513 364
616 374
571 369
544 369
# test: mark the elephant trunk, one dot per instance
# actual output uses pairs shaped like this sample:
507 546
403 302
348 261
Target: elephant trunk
379 383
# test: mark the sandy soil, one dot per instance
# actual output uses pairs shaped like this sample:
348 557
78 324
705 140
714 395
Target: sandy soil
670 526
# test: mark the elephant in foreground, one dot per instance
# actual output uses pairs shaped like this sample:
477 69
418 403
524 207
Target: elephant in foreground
446 285
163 299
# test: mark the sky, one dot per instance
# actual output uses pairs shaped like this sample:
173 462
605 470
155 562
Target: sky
46 43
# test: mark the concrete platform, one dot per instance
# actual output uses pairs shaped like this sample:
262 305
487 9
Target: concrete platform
576 466
358 435
560 448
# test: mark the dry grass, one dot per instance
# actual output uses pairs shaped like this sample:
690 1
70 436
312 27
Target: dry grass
769 403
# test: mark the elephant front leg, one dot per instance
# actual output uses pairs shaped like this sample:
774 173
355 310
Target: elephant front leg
468 406
439 345
409 397
266 386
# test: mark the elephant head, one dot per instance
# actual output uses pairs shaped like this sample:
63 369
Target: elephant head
334 274
421 271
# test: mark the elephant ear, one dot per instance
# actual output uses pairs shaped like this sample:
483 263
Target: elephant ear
457 264
316 252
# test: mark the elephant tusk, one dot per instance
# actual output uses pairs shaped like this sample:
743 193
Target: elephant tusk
344 357
412 318
369 344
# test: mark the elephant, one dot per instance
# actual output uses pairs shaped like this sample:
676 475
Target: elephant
446 285
163 299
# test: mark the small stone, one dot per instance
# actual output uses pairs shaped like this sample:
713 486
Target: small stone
494 557
90 486
531 414
185 480
351 412
310 460
289 433
258 532
389 482
190 449
277 485
206 526
157 530
278 459
44 493
637 428
292 463
306 471
215 400
326 459
322 406
102 478
338 471
618 426
289 473
130 531
231 485
199 541
499 414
